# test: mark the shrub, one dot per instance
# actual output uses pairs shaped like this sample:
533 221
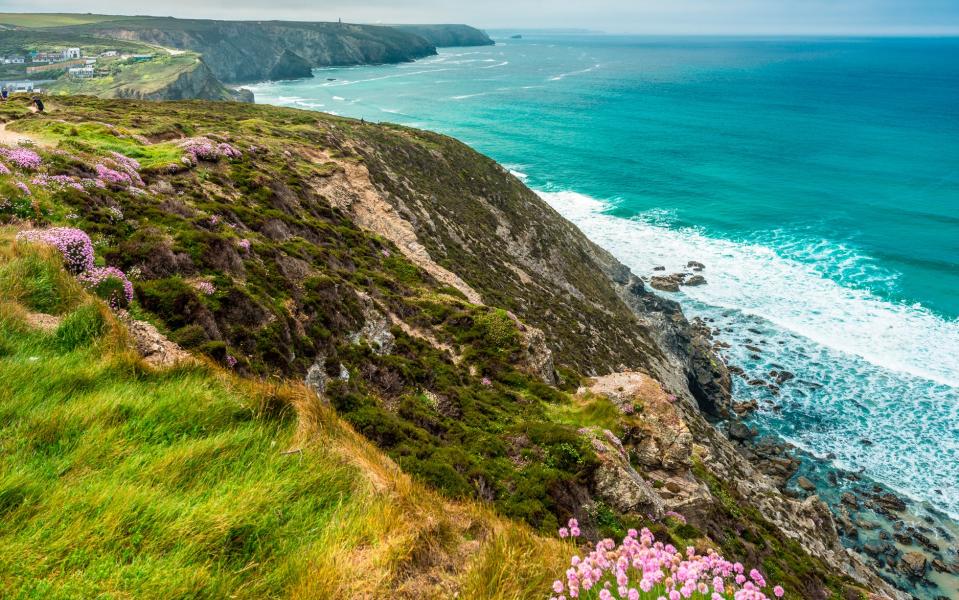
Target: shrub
73 244
110 284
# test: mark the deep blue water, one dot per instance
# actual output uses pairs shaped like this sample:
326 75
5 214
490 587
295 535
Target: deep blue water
818 180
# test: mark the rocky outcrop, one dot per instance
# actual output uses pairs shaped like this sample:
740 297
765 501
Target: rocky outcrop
195 83
243 51
449 35
698 473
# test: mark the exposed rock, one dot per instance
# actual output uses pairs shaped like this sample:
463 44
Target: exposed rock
914 564
664 284
695 280
375 330
695 266
43 322
850 500
806 484
153 346
617 483
739 431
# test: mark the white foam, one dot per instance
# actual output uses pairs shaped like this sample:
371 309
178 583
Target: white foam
562 76
794 295
866 368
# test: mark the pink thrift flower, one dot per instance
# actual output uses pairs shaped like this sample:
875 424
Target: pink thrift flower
778 591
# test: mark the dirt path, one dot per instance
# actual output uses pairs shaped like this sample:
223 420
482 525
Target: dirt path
13 138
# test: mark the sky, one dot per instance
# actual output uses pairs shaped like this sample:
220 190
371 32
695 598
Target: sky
932 17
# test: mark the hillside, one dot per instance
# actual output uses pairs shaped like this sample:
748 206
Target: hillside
119 69
414 287
247 51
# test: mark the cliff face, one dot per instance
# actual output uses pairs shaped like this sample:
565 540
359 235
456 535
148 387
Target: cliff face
446 312
449 35
243 51
197 83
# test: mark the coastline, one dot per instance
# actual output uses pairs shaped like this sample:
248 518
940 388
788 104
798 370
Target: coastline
857 537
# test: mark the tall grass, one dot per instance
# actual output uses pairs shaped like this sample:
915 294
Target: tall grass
120 481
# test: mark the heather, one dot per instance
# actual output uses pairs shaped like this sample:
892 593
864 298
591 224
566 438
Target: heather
118 480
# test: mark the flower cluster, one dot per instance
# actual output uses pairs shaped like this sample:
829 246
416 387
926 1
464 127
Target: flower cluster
4 170
58 181
109 283
23 188
243 244
642 568
129 166
73 244
201 148
23 158
676 515
112 176
230 361
205 287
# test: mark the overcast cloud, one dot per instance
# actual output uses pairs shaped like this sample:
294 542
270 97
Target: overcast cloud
633 16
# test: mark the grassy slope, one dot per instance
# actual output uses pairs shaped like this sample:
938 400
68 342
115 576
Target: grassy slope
128 482
53 19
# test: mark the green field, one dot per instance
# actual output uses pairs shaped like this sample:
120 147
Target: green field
53 19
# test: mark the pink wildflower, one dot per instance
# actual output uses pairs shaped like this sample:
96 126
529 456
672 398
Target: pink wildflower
230 361
73 244
95 279
778 591
205 287
23 188
22 158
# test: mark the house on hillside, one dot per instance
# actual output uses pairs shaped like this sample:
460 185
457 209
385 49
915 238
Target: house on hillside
13 60
81 72
71 53
109 53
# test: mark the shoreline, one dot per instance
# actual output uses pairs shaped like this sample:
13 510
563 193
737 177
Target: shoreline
827 466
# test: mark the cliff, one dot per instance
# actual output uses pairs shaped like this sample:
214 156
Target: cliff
246 51
443 36
438 306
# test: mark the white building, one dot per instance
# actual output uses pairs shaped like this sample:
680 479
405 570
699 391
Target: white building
71 53
108 53
13 60
81 72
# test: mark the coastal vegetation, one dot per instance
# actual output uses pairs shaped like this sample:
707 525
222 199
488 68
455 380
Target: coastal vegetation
357 418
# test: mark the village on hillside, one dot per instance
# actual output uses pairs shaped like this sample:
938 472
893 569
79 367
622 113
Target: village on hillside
30 71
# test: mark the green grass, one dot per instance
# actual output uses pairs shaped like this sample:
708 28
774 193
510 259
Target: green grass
145 77
117 480
53 19
99 138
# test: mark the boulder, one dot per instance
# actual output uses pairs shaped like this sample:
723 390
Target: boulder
914 564
695 265
806 484
695 280
664 284
739 431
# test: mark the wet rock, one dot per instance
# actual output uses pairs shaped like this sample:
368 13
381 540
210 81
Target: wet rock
664 284
784 376
903 539
695 265
940 566
872 549
739 431
914 564
753 348
806 484
659 268
744 408
891 501
695 280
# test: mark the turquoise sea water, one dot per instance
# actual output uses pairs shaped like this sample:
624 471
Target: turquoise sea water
817 179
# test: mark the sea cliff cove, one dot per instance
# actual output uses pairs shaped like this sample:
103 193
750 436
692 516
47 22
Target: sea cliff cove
311 308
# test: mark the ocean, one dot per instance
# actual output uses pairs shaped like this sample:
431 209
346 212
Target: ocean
817 180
